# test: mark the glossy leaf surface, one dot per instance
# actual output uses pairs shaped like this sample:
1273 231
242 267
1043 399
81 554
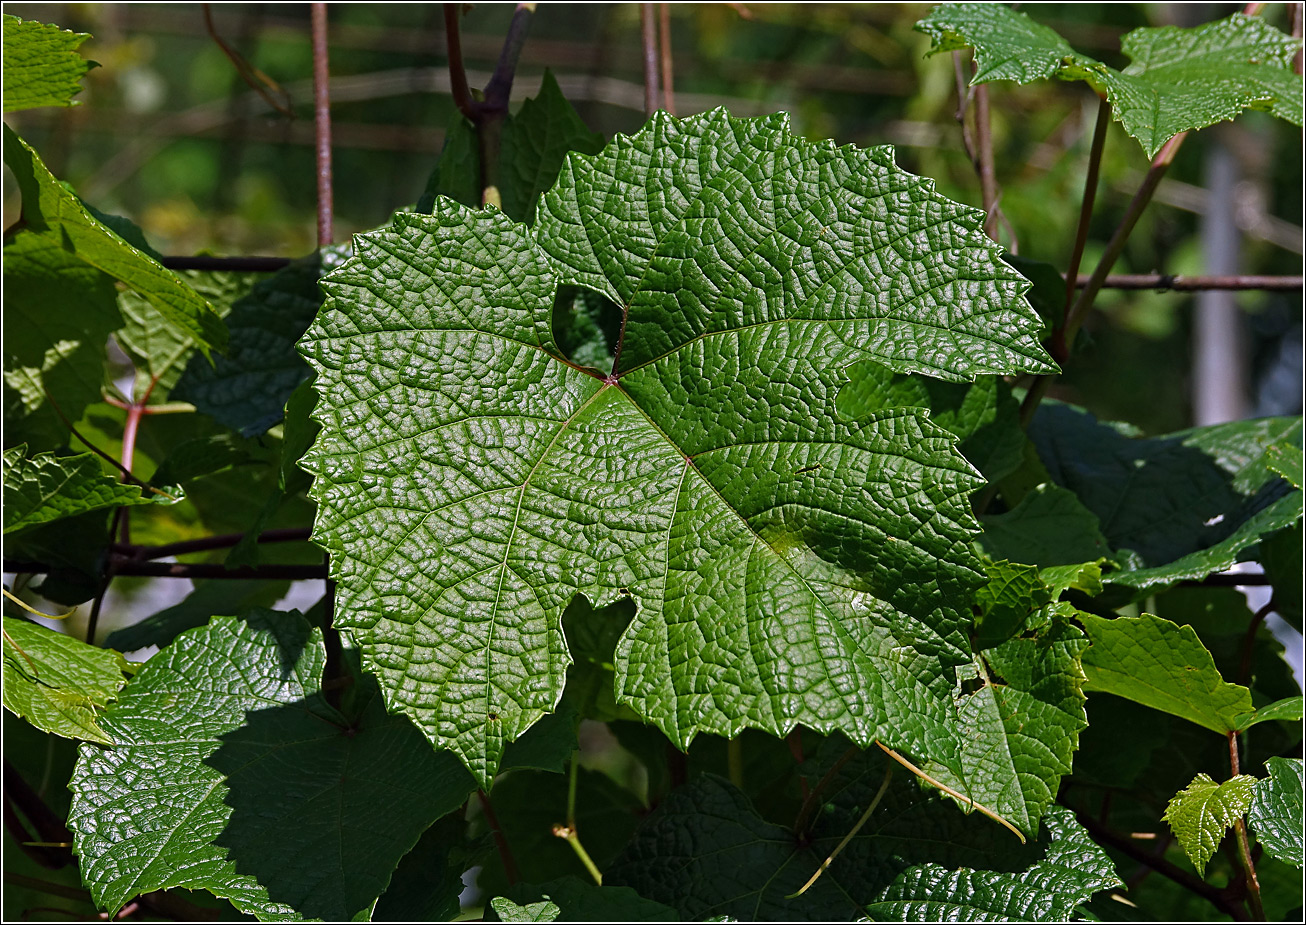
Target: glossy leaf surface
787 567
1275 814
1202 812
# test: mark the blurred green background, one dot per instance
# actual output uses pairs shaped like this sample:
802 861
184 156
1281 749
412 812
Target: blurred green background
170 135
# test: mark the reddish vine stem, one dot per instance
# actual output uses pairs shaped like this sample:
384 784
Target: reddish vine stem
664 42
1075 316
462 96
1295 18
259 82
650 39
505 853
1060 349
817 793
1244 847
322 125
987 176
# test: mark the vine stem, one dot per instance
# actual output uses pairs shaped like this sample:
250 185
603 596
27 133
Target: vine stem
505 853
1244 847
648 30
664 42
1075 316
1249 640
1060 349
568 831
322 124
879 794
813 799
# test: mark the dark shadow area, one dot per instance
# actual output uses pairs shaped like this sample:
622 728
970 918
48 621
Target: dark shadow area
324 804
586 326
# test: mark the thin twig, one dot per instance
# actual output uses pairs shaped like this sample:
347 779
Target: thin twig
131 567
1190 882
984 163
505 853
1060 349
259 82
207 543
1196 283
322 125
233 264
1078 311
1295 18
664 42
1244 848
879 794
462 96
126 474
1249 640
649 34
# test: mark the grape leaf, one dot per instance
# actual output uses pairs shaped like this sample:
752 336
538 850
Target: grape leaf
58 683
1275 814
1176 507
1201 813
1286 459
1180 79
1164 666
247 389
1288 709
1004 604
51 211
59 312
231 773
1049 527
706 851
41 64
47 488
508 911
787 566
428 881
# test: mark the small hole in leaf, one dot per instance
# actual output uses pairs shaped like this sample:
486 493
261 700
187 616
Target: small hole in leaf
586 326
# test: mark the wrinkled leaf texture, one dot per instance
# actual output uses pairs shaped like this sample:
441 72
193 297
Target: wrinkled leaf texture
788 566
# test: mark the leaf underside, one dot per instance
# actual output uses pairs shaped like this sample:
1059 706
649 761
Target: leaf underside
787 565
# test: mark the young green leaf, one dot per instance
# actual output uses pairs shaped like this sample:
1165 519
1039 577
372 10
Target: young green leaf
1180 79
1164 666
1200 814
1275 815
47 488
58 314
509 911
41 64
58 683
50 210
231 773
471 480
1288 709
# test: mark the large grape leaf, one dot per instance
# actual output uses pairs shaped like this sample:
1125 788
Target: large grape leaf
58 314
231 773
706 852
52 211
41 64
1163 665
1275 814
58 683
1175 507
1202 812
1180 79
787 566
